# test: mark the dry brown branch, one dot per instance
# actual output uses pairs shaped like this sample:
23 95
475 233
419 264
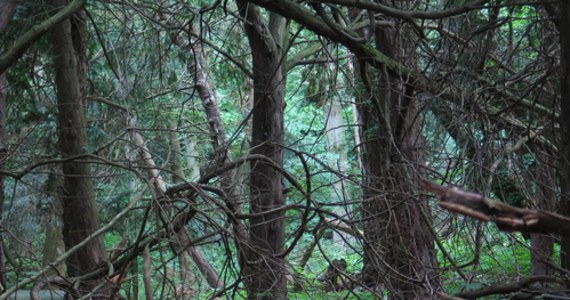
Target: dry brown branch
50 282
445 296
512 287
507 217
343 226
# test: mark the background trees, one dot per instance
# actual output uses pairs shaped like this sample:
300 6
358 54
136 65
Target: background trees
460 93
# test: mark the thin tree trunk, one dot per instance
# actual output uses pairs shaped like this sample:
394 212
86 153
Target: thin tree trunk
563 25
218 136
54 246
147 265
186 275
3 151
194 169
207 270
175 153
220 146
334 122
80 217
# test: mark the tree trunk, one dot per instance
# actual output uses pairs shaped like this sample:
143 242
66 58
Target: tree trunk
264 271
54 246
186 275
542 245
80 217
175 153
7 9
399 249
564 23
193 167
232 188
335 144
154 174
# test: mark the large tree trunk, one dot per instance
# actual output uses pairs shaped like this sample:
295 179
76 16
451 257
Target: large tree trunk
264 270
564 24
7 9
79 210
399 249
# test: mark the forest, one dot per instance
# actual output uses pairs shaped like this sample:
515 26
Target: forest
285 149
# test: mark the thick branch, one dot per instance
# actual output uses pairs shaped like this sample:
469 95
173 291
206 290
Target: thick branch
24 42
409 14
507 217
511 287
302 15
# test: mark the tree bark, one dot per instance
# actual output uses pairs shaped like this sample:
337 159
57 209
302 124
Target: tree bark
54 246
542 245
147 268
507 217
80 218
399 247
564 23
264 271
7 9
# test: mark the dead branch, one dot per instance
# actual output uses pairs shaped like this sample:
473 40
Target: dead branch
507 217
512 287
343 226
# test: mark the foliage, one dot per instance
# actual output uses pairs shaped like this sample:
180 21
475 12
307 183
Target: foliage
498 136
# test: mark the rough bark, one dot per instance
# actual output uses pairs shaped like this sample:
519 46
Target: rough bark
3 151
399 247
542 246
175 153
564 22
7 9
54 246
264 271
80 218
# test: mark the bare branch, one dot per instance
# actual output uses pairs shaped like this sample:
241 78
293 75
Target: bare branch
507 217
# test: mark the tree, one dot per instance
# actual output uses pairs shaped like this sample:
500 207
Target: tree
264 269
8 8
398 249
80 217
461 92
563 22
